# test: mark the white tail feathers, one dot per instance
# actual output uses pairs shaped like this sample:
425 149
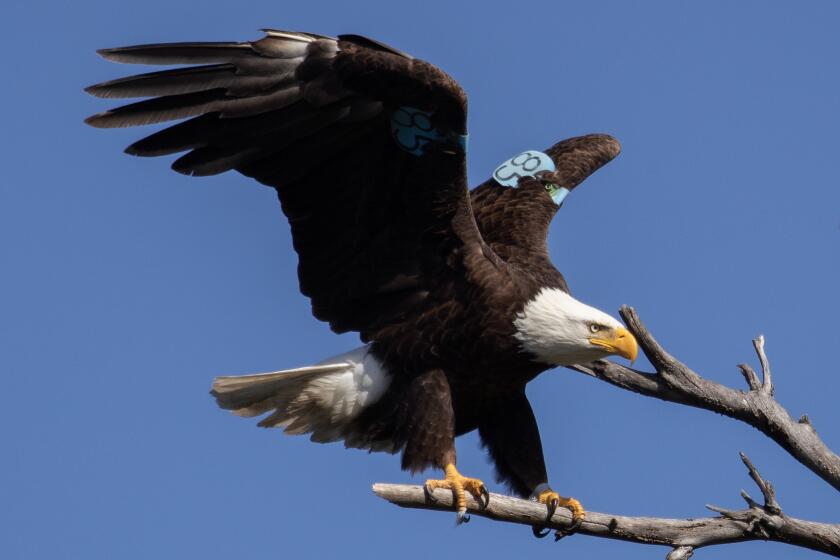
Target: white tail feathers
321 399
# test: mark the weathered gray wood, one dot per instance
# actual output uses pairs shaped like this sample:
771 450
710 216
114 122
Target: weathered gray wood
676 382
684 536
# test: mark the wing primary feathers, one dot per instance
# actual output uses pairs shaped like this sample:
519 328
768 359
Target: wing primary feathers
258 104
203 162
174 107
277 44
213 160
160 109
248 79
197 78
209 129
176 53
168 82
193 133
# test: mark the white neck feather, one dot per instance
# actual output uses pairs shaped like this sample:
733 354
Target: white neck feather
554 328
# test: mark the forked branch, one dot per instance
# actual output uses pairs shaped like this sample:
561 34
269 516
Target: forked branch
676 382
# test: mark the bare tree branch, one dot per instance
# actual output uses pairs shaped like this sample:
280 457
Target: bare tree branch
684 536
758 344
675 382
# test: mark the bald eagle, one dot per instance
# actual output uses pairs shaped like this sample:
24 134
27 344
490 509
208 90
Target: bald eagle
452 291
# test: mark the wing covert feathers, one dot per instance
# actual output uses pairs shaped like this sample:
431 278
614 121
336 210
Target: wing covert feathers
579 157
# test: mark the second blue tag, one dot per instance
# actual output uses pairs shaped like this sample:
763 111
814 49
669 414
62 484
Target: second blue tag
526 164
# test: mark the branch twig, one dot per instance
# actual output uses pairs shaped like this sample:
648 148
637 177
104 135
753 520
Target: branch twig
684 536
676 382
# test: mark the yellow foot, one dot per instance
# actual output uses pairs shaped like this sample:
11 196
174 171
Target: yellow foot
458 484
554 500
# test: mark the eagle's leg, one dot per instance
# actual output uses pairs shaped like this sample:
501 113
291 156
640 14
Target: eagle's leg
513 441
430 439
459 485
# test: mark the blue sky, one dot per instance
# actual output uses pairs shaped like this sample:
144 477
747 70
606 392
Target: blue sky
127 287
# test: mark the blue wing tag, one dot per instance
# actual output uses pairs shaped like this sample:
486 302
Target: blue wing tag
526 164
529 164
412 130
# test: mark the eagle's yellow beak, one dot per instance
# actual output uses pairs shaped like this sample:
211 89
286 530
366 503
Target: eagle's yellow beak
622 343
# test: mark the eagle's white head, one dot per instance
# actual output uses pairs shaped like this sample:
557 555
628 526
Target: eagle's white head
559 330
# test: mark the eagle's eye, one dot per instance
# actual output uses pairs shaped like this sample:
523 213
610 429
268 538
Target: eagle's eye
594 327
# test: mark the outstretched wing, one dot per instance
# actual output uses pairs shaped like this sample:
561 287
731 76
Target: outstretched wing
514 221
364 144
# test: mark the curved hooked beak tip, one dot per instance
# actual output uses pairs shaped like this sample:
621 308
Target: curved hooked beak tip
622 343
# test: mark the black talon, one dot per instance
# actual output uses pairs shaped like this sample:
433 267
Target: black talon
560 533
540 532
552 507
430 497
486 495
